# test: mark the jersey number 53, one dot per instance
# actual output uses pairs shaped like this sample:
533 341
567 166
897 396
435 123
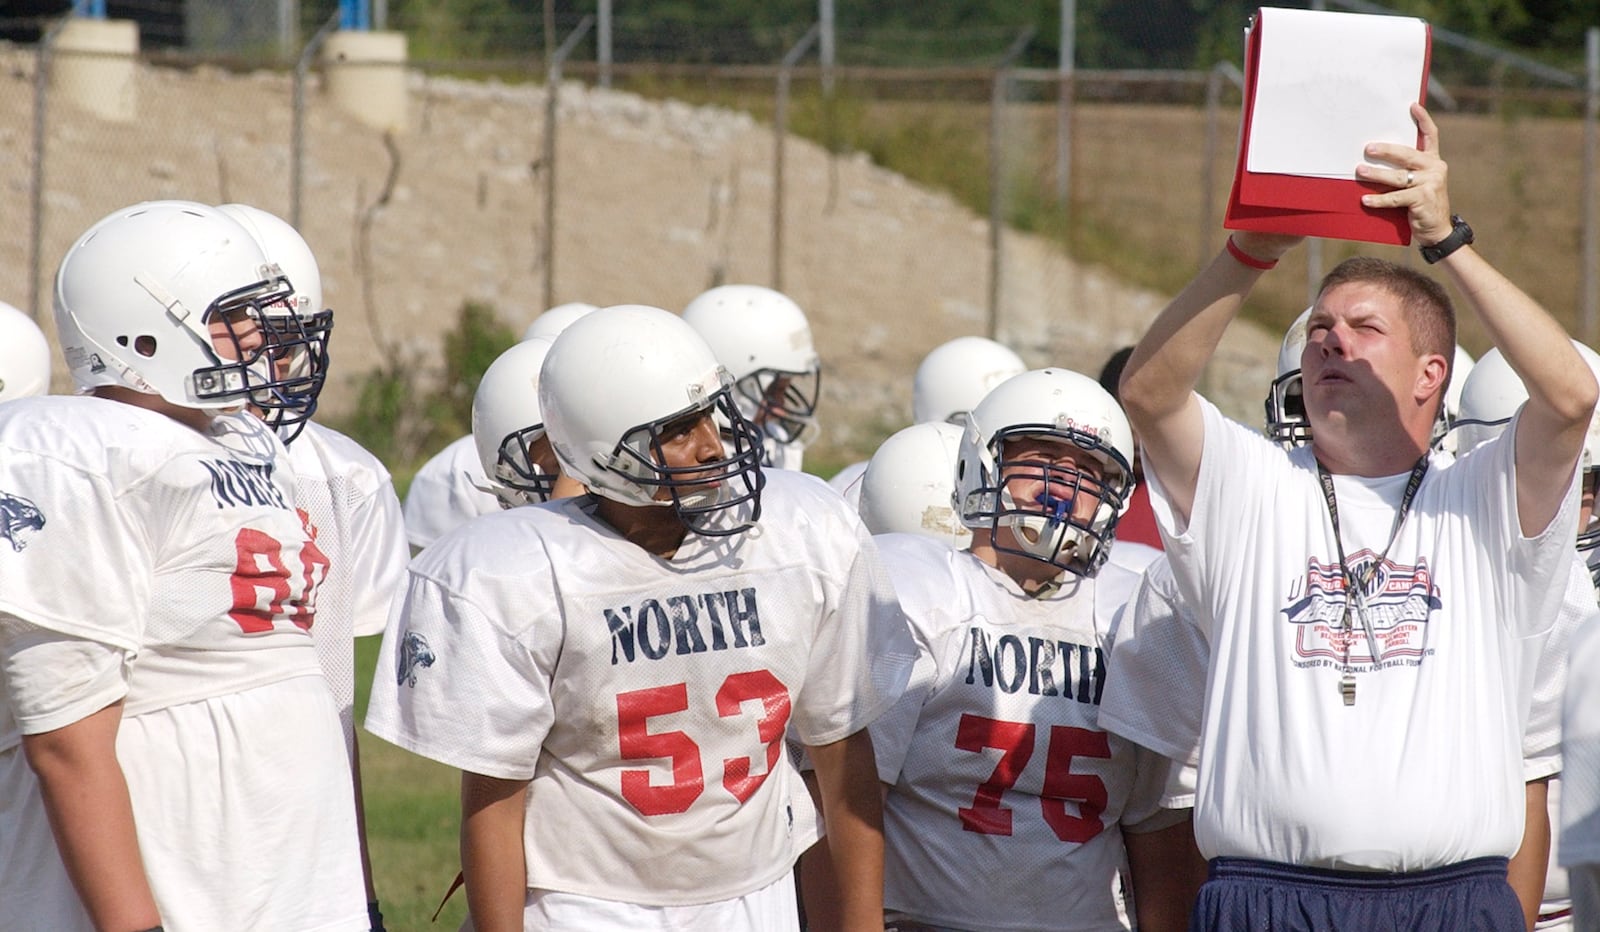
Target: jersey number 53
634 709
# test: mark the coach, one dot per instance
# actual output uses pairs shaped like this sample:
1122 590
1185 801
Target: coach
1368 608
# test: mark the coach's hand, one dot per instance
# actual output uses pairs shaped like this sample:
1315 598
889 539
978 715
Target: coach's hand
1419 177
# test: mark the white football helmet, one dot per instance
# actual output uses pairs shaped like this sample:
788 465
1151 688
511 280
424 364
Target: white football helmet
954 377
764 340
24 356
1491 394
284 246
1444 438
1287 422
612 380
135 294
556 319
910 484
506 424
1054 404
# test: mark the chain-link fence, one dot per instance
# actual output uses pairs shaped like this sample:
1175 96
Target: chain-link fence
1042 194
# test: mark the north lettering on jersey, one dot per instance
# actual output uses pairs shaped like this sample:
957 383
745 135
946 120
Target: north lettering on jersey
19 520
1035 665
240 485
681 624
1399 601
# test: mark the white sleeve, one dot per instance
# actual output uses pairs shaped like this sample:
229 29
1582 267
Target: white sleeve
894 729
861 656
1146 809
85 566
52 680
379 554
1156 674
452 686
1536 567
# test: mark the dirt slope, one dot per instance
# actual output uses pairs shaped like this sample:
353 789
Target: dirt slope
657 201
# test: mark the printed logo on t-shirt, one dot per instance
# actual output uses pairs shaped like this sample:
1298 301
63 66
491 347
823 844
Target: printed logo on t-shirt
1399 601
19 520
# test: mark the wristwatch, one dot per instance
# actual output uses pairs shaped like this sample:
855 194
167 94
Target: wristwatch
1460 235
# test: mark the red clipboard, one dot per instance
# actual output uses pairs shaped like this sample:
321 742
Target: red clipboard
1302 206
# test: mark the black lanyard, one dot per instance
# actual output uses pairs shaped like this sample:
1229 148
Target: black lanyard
1355 586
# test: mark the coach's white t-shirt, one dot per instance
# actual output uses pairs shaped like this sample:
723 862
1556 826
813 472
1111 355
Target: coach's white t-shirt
447 492
646 699
172 568
1425 769
1005 796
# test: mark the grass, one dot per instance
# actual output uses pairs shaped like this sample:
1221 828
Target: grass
413 814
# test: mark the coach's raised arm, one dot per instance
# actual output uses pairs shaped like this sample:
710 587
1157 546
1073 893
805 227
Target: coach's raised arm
1158 383
1561 388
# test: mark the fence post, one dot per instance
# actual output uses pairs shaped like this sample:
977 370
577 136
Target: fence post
780 130
1208 163
997 106
553 77
1591 212
603 43
41 105
297 125
1064 101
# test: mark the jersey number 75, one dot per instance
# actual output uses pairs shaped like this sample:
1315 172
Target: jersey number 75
1015 741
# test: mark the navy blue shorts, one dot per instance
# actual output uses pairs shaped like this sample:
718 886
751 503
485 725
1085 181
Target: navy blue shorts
1243 894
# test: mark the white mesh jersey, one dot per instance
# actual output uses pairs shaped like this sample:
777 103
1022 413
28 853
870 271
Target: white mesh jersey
447 492
1580 737
356 515
1288 772
1005 796
1557 901
783 455
646 699
1541 742
847 482
1156 676
184 551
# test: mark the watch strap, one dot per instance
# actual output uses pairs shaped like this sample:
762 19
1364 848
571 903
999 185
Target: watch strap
1460 235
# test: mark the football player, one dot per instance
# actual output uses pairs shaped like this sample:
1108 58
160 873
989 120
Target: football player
550 323
24 356
508 430
1008 807
953 377
614 673
350 500
170 733
764 341
455 485
1579 847
909 484
1490 397
957 374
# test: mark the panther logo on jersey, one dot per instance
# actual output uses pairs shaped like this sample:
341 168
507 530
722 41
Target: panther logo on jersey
19 519
414 653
